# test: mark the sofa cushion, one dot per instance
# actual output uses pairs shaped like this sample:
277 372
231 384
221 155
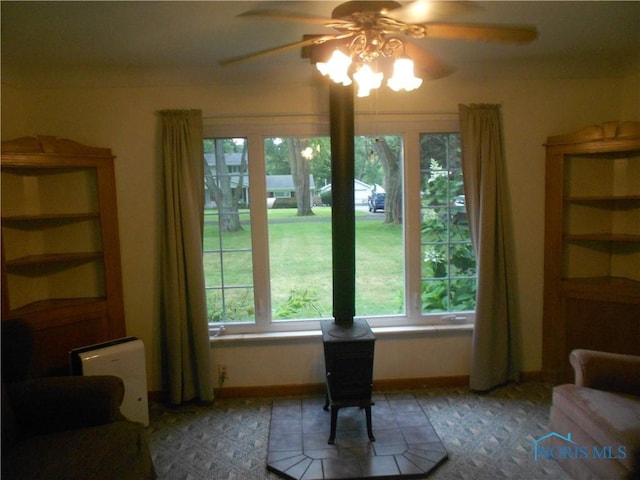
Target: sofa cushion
609 418
118 450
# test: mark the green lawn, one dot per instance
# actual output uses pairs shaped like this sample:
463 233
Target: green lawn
291 214
301 269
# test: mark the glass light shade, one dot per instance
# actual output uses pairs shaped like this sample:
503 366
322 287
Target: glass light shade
403 77
367 80
336 68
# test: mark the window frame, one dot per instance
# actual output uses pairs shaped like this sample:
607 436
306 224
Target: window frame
256 128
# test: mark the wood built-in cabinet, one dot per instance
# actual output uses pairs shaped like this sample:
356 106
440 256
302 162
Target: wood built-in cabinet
592 245
61 268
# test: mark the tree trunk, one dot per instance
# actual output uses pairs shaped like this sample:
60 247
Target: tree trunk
226 200
300 174
392 182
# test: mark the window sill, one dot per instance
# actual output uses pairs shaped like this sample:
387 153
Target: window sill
379 332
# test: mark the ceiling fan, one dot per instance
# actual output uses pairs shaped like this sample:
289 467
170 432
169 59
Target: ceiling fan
369 35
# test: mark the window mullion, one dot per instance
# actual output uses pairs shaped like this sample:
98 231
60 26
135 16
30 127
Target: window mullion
412 223
259 231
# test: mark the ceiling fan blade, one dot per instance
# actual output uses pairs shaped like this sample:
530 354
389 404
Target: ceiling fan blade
426 64
421 11
289 16
481 33
314 40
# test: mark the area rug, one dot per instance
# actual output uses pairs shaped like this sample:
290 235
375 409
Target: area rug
406 446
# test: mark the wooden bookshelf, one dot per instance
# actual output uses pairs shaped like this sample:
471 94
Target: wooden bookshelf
592 244
60 248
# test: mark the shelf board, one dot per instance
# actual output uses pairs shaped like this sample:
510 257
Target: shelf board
52 258
616 282
607 288
603 198
20 220
603 237
52 303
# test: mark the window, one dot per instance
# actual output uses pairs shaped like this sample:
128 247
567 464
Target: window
267 236
227 252
380 259
448 265
299 227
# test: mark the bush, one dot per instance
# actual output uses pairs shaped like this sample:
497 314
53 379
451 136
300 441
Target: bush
236 309
325 196
285 203
301 303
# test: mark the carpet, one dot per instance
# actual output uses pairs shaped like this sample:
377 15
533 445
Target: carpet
487 437
406 446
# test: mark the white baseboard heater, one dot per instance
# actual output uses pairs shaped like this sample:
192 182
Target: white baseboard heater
123 358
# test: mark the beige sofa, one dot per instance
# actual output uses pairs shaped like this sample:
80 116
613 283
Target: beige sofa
596 421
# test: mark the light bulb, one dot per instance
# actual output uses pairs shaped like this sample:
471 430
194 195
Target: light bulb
367 80
336 68
403 77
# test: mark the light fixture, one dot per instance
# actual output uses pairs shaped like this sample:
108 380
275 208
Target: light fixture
367 50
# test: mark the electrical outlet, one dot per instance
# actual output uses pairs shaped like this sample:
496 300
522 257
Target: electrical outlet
222 374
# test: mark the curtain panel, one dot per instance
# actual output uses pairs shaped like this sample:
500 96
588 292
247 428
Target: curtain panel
186 349
495 351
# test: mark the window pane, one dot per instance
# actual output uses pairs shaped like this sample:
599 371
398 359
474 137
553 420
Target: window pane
379 239
299 226
227 252
236 304
448 263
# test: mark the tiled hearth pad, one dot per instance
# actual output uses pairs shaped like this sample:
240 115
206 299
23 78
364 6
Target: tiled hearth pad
406 446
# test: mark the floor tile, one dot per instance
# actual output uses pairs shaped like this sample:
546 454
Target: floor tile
406 446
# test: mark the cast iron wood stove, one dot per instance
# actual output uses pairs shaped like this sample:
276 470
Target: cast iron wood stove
348 357
348 342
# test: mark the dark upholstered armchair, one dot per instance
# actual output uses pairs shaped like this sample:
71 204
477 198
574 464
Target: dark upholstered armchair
65 427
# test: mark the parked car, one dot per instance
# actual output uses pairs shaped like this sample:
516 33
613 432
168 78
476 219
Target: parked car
376 202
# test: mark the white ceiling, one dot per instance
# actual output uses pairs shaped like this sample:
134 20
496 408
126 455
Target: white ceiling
188 39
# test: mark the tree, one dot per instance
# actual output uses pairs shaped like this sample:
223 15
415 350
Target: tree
390 160
320 164
444 149
277 157
449 264
300 173
367 164
219 184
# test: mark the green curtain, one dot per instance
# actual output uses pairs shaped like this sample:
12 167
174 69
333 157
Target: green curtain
186 349
495 351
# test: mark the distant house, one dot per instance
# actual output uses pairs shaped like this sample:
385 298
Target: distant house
361 191
282 186
233 162
278 186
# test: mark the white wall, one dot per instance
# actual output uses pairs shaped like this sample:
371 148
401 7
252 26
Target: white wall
124 119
